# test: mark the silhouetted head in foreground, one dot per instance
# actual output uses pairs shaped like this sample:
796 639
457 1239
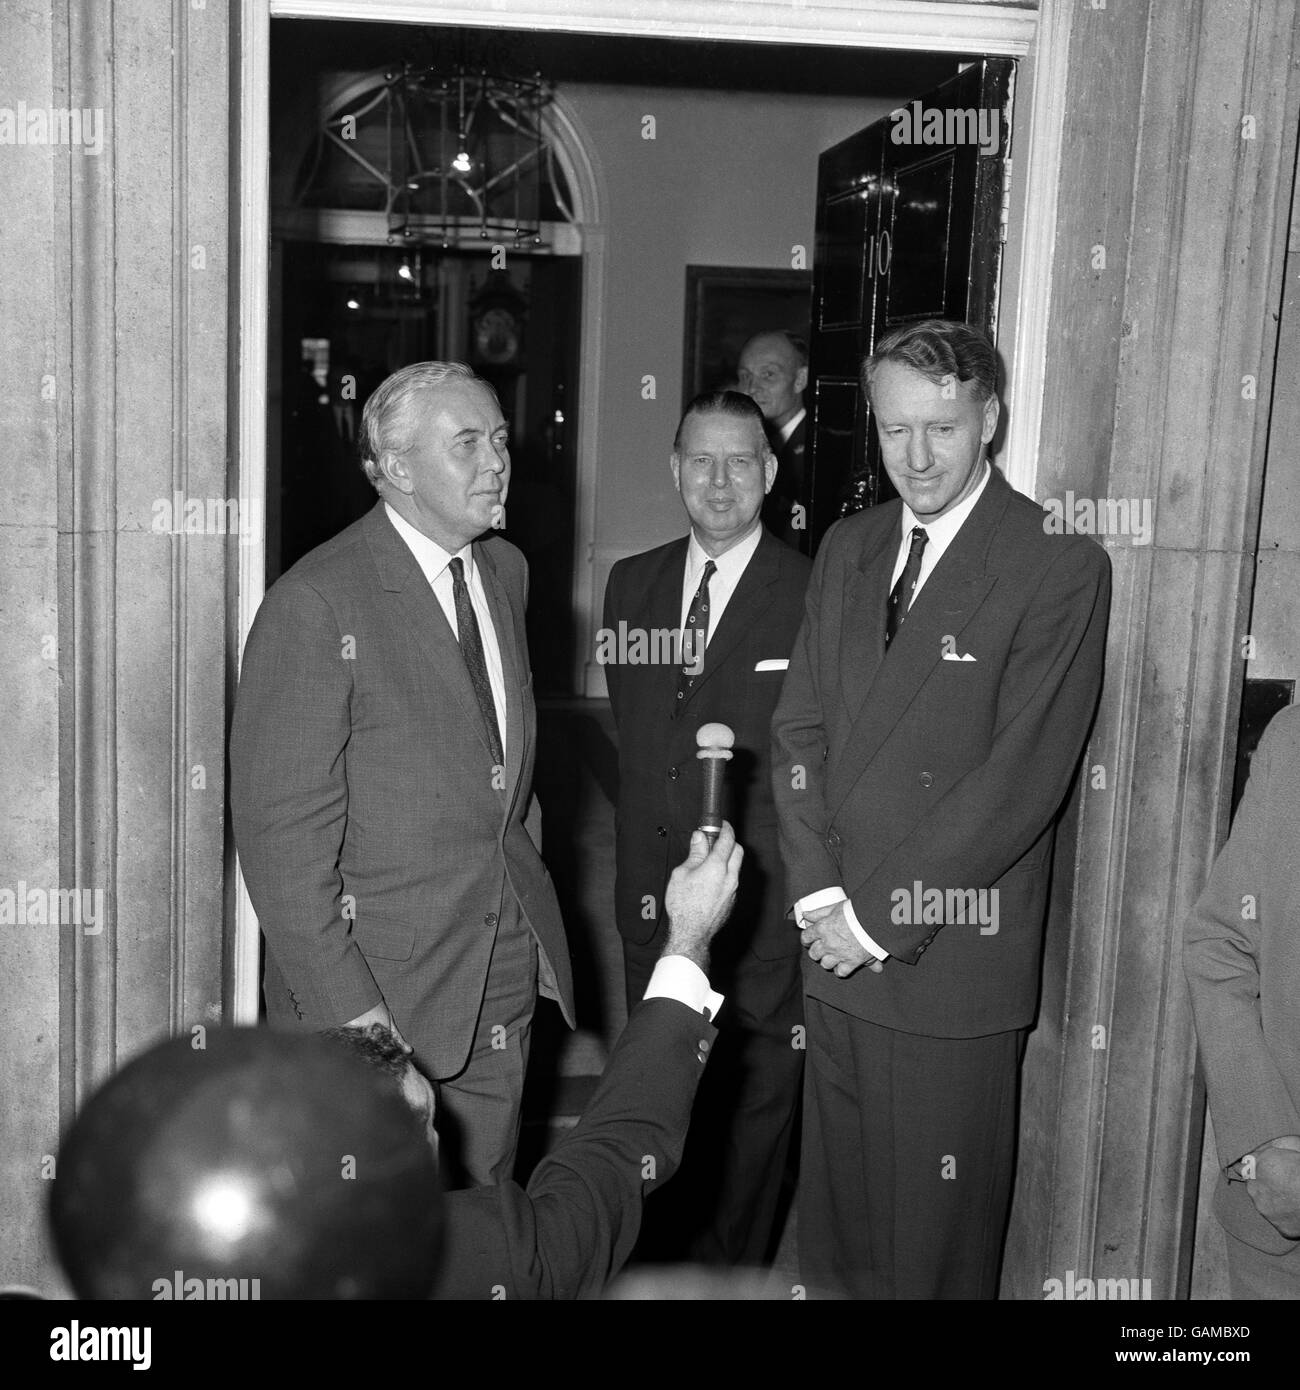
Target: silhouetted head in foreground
261 1155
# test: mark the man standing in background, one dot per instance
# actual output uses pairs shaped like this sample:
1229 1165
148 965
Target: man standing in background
740 592
774 371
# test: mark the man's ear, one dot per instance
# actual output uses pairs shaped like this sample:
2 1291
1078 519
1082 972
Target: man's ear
769 471
992 407
801 379
393 471
675 464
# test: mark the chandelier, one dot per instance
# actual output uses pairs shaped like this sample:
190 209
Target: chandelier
451 156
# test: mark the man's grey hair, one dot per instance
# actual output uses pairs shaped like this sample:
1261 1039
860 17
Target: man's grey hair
796 344
392 414
938 349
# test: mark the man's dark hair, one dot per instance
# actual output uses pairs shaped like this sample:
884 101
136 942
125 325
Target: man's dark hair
939 349
722 403
375 1045
267 1118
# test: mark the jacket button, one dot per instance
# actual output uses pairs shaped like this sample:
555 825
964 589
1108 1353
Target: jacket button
490 920
672 773
833 839
661 830
926 779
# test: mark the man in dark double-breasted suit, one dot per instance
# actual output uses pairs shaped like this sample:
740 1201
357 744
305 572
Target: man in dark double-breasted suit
741 590
939 695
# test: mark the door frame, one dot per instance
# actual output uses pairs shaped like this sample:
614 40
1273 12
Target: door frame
1040 35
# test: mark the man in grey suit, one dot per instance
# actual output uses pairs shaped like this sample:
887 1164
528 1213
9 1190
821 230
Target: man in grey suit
381 770
1241 953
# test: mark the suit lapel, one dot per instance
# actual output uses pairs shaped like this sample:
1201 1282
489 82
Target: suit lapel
951 597
423 618
659 609
866 589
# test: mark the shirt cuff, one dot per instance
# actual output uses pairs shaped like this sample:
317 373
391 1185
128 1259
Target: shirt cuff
826 897
676 977
863 939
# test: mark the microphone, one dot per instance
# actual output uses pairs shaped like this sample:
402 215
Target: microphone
715 742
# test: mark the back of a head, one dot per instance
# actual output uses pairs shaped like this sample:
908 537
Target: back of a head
260 1155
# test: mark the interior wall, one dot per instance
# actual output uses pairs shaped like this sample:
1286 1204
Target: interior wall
743 170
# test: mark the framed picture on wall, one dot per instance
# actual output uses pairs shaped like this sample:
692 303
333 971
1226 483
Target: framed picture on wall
725 306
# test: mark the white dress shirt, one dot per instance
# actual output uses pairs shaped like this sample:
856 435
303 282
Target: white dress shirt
434 562
677 977
725 578
792 424
940 534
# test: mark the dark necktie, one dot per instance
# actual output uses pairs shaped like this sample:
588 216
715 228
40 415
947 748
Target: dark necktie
696 634
900 596
471 648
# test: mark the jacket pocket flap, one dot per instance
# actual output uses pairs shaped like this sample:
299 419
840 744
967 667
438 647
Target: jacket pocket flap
385 938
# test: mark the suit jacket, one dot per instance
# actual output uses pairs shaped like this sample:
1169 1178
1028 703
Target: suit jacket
660 779
1243 971
573 1228
376 838
788 490
906 769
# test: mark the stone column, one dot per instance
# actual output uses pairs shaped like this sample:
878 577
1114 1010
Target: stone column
1180 148
114 274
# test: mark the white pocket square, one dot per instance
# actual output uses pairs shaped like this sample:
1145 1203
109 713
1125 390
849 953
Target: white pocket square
774 664
952 656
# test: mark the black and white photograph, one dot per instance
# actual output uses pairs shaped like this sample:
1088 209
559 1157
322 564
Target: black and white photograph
654 653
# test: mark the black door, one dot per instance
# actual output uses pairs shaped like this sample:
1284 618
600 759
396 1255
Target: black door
909 226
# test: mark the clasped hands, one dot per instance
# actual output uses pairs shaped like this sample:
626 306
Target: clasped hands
825 931
1272 1177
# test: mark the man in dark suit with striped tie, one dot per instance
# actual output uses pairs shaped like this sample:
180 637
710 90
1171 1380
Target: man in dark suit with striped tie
939 695
381 770
737 592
